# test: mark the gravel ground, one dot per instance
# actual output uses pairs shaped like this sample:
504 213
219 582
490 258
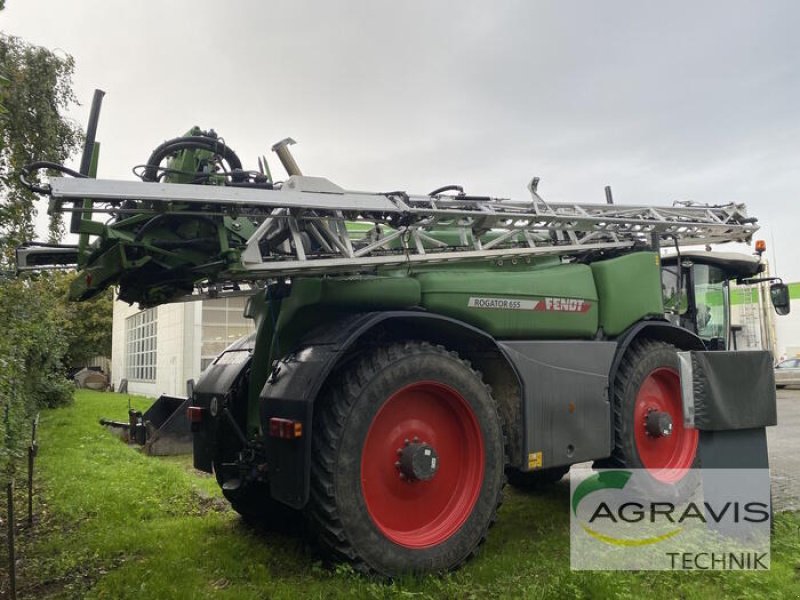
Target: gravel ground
784 451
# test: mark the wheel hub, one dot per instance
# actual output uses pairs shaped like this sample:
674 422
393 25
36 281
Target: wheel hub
658 424
417 461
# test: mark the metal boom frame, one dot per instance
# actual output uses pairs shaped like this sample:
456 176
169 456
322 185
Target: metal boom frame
487 227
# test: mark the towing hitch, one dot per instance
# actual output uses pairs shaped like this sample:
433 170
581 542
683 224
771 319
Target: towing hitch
162 430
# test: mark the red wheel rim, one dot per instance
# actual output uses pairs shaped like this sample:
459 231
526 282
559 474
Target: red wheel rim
667 457
420 514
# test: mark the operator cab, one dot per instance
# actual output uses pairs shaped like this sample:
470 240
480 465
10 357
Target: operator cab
696 288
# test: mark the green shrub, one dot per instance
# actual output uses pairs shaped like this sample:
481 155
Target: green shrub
35 96
32 349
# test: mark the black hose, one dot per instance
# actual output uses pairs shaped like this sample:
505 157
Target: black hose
44 164
150 223
206 242
188 143
447 188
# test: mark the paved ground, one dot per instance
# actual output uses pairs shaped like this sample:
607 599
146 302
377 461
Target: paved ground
784 451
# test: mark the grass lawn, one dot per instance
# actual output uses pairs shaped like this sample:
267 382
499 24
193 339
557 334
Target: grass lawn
112 523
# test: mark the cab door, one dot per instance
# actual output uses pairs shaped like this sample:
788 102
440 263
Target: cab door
697 298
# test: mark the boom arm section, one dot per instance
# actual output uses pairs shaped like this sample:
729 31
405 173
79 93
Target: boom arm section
166 240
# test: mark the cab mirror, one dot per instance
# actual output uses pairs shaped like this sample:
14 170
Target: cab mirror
779 294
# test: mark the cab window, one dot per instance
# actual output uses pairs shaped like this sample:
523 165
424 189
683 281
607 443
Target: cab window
673 290
709 295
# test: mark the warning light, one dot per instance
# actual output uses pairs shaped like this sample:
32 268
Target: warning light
761 247
194 414
285 428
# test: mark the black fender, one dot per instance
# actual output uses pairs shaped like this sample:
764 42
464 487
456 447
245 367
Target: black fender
296 380
219 382
655 329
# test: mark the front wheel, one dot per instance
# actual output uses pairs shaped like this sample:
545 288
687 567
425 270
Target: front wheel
407 470
648 414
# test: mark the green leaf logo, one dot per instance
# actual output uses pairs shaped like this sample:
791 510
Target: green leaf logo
616 480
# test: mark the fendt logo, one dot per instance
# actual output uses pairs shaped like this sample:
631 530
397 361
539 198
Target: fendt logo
564 305
572 305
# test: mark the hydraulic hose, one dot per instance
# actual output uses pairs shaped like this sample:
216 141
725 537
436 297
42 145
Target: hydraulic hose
188 143
43 164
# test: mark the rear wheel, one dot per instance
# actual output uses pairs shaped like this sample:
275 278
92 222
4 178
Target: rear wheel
648 414
407 470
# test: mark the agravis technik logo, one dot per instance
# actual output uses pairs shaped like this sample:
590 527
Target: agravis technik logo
713 519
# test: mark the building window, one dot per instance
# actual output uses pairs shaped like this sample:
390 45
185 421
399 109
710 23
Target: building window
223 324
140 338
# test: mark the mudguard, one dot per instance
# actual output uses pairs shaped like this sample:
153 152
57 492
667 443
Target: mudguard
216 382
296 380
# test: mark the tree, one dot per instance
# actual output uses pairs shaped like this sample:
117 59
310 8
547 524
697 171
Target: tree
36 95
87 325
36 92
3 80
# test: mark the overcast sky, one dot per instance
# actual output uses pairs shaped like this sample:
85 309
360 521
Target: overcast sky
663 101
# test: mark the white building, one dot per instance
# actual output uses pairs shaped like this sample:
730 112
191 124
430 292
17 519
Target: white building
757 326
157 350
787 328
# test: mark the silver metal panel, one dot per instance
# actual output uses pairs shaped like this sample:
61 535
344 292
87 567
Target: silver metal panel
66 188
687 387
37 258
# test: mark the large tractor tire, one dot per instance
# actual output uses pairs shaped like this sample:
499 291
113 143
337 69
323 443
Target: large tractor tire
408 458
648 414
258 509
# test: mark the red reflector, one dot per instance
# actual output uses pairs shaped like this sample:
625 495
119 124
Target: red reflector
285 428
195 414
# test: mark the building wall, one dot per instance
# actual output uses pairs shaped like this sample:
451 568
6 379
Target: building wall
787 327
177 349
184 343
